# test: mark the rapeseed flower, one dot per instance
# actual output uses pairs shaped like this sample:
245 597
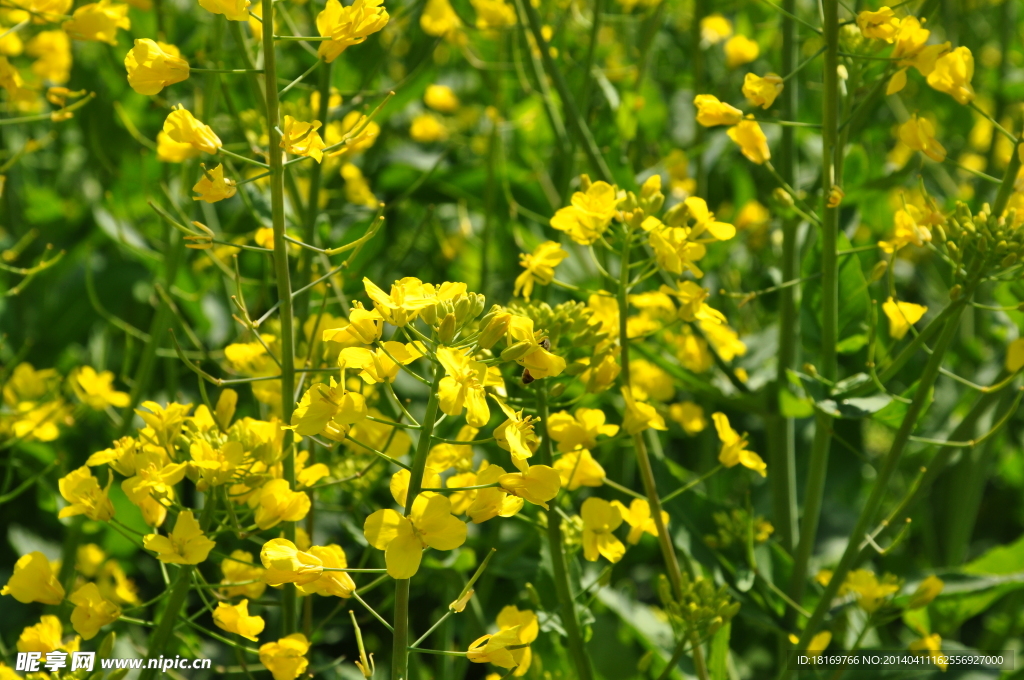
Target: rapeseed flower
302 139
152 66
751 140
187 544
91 611
762 91
539 267
98 21
600 519
919 135
734 447
712 112
182 127
578 468
579 430
740 50
85 496
285 563
403 539
33 580
347 26
638 517
233 10
902 315
286 658
236 619
213 186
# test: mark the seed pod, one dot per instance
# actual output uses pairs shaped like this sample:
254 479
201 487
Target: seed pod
878 271
557 390
446 332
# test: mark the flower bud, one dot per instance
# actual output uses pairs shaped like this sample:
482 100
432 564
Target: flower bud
557 390
462 307
446 331
577 367
878 271
495 329
516 351
429 314
954 292
1009 260
939 234
584 183
783 197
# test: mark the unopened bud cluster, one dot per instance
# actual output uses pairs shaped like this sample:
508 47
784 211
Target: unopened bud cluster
703 608
979 244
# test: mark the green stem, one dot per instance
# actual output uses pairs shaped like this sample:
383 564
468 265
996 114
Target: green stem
1006 188
782 450
818 467
313 198
560 567
284 284
400 653
870 511
668 551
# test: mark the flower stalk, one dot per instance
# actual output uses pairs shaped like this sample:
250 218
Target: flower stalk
668 551
284 284
831 157
400 648
560 567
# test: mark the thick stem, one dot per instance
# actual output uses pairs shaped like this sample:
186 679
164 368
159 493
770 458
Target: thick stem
870 511
782 443
284 283
400 648
829 292
668 551
560 567
699 87
1006 188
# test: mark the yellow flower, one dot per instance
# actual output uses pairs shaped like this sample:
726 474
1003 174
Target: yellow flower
725 340
239 568
879 25
818 643
740 50
355 132
302 139
186 544
213 186
287 564
540 267
751 140
233 10
216 466
182 127
88 559
600 519
364 327
871 593
115 586
277 503
580 430
381 365
440 20
734 447
492 14
711 111
408 297
535 483
652 380
98 21
44 11
236 619
170 151
494 648
463 386
902 315
527 628
714 28
83 492
537 360
152 66
600 377
52 49
930 646
639 415
33 580
328 410
10 79
919 135
689 415
578 468
953 73
403 539
347 26
927 591
286 658
1015 355
44 637
336 583
908 230
357 189
91 611
590 213
441 98
516 435
638 517
96 389
762 91
484 504
427 128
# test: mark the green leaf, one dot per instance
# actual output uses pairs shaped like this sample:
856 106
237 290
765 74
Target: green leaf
792 406
852 344
718 658
857 407
894 413
1003 559
853 296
